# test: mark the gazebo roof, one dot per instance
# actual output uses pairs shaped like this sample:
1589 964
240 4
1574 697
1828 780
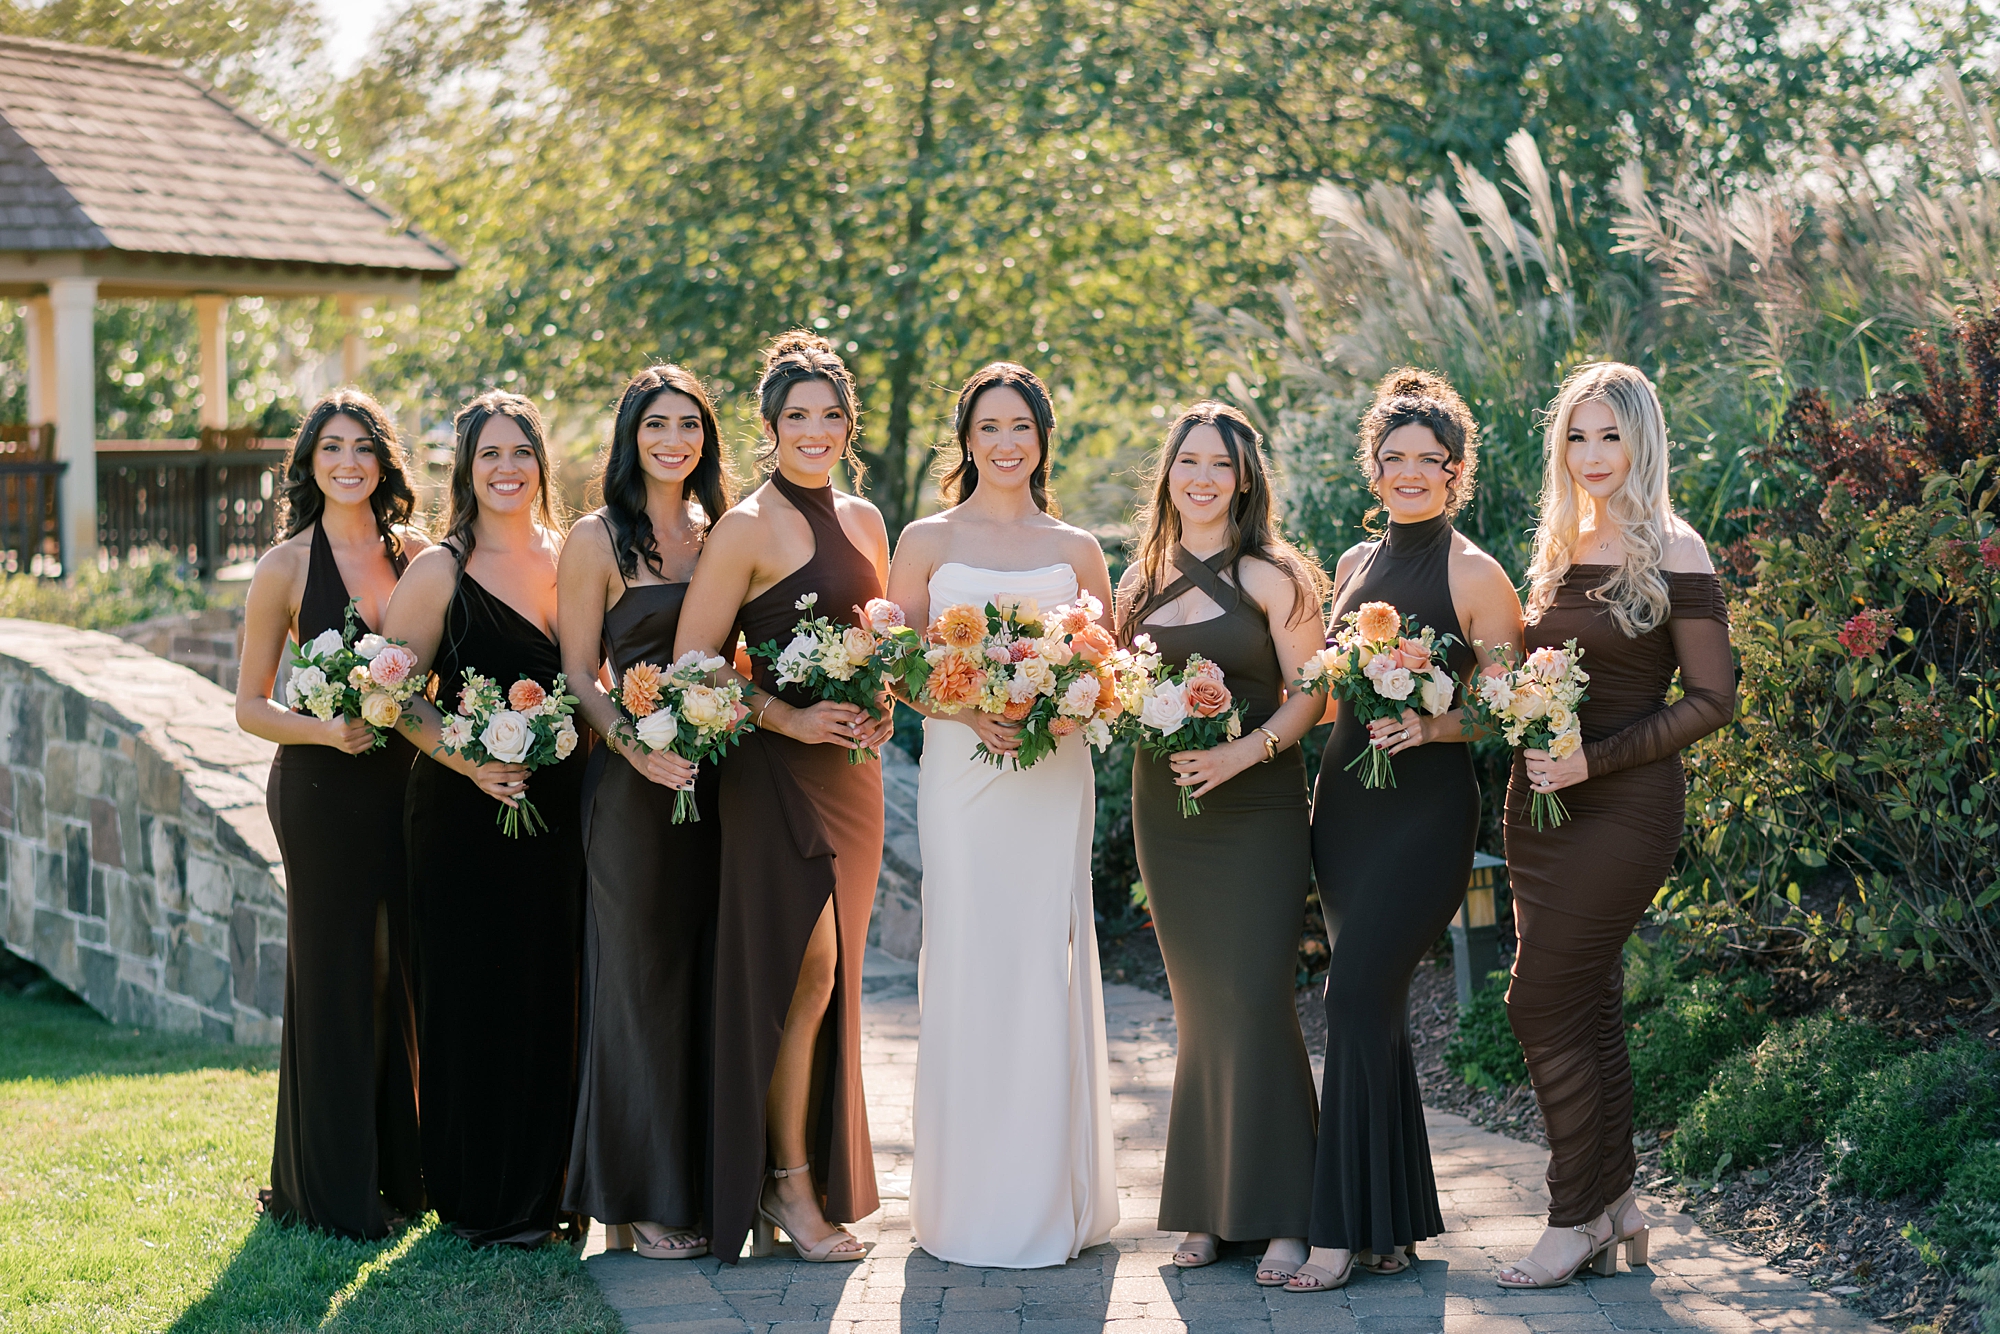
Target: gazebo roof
102 151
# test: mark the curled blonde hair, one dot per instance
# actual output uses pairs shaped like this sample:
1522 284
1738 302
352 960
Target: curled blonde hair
1637 592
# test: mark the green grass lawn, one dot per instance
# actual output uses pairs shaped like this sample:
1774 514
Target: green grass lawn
129 1165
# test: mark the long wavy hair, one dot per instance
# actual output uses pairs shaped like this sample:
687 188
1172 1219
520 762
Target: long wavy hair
958 477
623 480
791 359
1409 396
1636 593
1253 519
393 500
462 502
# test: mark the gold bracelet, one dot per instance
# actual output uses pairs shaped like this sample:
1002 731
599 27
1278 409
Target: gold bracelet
763 709
1272 744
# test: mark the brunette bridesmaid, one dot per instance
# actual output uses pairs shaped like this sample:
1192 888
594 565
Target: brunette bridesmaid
638 1158
1393 862
1213 576
1619 572
496 919
346 1158
801 832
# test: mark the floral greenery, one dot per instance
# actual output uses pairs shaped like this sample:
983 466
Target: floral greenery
102 599
1909 1123
1677 1044
1484 1052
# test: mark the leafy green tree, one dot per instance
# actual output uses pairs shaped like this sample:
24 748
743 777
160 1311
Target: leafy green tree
249 49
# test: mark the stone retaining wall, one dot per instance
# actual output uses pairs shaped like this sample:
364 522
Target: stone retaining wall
897 928
208 641
140 868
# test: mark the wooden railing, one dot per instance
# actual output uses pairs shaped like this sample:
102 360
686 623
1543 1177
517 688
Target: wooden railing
207 508
30 510
22 444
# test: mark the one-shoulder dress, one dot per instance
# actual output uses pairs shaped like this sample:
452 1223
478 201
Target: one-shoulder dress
1580 887
346 1154
1227 889
497 922
640 1149
1392 864
800 824
1013 1165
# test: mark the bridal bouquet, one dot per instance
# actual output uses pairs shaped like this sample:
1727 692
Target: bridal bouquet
679 711
850 664
1054 675
1535 705
370 678
527 725
1187 710
1376 661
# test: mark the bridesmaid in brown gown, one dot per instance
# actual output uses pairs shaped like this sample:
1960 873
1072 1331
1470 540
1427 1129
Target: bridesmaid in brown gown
1393 862
1228 888
801 833
495 920
639 1154
346 1157
1616 570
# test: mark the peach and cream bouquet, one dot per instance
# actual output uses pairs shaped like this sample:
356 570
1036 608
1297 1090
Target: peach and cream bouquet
1378 663
678 710
362 676
527 725
1190 709
1535 705
850 663
1056 675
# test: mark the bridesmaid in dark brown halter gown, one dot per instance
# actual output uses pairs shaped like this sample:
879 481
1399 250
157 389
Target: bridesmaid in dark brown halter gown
496 920
1616 570
801 834
639 1154
1393 862
1228 888
346 1158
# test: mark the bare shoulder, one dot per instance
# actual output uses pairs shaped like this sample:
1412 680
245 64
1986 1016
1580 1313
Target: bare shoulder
1469 558
738 529
284 564
433 572
920 537
858 505
1685 551
589 541
1264 581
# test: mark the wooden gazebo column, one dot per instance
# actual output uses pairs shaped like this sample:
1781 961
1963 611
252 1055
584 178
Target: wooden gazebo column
73 302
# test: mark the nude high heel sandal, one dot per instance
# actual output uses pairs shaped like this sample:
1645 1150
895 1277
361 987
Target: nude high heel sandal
1630 1230
1602 1260
765 1227
617 1236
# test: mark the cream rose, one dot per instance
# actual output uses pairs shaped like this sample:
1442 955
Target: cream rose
1437 690
380 710
1396 683
1164 709
565 736
1565 745
1530 702
658 729
706 708
507 737
858 644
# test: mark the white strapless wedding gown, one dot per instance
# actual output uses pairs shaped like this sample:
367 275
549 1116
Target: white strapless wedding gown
1013 1164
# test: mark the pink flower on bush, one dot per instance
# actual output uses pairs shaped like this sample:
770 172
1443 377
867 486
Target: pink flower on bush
1989 553
1867 632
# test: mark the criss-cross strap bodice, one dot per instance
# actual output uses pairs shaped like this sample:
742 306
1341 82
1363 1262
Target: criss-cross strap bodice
323 601
1238 641
843 577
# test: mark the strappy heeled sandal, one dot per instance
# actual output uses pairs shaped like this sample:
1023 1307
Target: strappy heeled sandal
1320 1278
767 1224
672 1244
1271 1275
1204 1255
1635 1237
1601 1259
1395 1262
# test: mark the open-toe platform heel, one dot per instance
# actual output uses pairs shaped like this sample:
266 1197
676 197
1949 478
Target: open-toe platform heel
1629 1228
1320 1278
765 1227
1601 1260
1202 1255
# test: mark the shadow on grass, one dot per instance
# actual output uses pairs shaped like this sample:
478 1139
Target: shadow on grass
51 1036
289 1279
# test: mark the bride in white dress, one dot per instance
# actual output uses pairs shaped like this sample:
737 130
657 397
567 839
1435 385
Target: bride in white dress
1013 1106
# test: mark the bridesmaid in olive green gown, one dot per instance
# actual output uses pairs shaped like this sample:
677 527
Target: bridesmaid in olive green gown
1228 887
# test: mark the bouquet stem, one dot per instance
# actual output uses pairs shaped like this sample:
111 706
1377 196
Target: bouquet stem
519 819
1189 805
685 808
1546 810
1376 771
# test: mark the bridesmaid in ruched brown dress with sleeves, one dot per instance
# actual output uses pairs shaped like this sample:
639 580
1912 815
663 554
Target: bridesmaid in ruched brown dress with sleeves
346 1157
1616 570
639 1153
495 920
801 833
1393 862
1213 575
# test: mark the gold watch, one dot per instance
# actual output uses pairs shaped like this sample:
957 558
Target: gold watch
1271 744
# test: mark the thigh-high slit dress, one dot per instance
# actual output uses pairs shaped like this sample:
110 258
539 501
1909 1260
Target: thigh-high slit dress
1392 865
1580 887
497 922
639 1152
1228 890
346 1156
800 825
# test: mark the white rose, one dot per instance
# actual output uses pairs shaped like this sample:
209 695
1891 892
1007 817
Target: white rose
1396 683
565 738
1080 700
368 646
1312 671
1054 649
1437 690
304 683
1379 667
325 644
793 663
1164 709
507 737
1039 675
658 729
457 733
